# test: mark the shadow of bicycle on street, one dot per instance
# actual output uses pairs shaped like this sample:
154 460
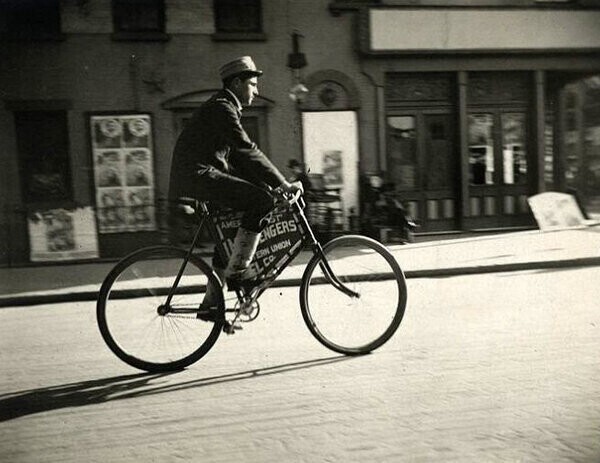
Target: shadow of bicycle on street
103 390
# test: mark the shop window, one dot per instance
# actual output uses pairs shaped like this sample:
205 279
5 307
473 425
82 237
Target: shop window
401 88
237 16
138 19
498 88
549 147
402 152
30 19
481 149
43 148
514 155
440 158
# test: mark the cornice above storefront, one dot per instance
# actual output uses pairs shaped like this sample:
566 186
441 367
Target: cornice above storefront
338 7
426 31
194 99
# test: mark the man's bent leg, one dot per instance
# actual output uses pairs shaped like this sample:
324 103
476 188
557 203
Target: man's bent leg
225 190
244 248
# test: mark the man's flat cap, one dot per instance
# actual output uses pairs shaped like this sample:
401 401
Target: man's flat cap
237 66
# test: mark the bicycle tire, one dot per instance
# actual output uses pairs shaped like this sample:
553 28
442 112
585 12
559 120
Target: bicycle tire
358 262
128 304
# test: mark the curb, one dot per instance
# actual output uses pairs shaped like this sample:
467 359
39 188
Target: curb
88 296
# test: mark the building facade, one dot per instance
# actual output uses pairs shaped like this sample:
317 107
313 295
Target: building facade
461 105
473 97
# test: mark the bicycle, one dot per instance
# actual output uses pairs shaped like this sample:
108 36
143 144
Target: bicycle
150 310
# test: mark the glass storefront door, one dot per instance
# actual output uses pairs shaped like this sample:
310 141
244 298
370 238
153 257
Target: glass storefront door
501 158
423 165
499 167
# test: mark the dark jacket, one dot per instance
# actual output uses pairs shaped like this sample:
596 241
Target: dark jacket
214 136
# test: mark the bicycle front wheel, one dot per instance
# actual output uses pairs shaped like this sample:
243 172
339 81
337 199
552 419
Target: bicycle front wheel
145 330
360 322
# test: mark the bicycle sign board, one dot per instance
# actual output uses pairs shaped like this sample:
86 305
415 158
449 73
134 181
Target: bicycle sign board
281 240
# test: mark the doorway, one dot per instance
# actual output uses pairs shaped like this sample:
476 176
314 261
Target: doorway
423 166
499 167
330 140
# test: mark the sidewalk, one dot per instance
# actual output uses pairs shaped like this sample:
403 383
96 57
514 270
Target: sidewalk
444 257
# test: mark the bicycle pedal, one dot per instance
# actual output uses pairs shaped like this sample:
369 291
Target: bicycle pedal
231 328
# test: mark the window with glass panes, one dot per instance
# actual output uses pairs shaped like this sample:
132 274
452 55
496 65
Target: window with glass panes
43 152
238 16
139 15
29 19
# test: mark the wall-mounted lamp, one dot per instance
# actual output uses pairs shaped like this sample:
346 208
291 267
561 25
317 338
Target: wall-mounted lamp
298 92
297 61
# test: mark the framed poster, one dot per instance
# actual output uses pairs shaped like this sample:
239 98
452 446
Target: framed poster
123 160
332 168
62 234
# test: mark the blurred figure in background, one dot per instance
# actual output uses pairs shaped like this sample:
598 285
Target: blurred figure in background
382 208
299 174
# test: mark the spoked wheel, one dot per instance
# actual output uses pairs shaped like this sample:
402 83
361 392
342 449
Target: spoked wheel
362 321
137 323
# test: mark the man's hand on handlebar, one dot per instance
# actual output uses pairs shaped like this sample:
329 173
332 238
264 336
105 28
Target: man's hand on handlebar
290 192
291 188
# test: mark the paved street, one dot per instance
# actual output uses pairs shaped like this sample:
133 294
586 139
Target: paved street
498 367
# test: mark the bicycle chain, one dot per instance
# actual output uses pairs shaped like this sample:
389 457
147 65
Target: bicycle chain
188 317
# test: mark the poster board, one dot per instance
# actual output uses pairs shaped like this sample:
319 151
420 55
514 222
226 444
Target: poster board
123 160
556 211
333 175
62 234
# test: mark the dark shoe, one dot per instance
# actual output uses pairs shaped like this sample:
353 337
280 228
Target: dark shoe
234 284
231 328
209 303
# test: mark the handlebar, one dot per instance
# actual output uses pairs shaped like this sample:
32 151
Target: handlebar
293 198
290 198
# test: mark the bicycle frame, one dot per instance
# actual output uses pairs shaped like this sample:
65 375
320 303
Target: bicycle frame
297 204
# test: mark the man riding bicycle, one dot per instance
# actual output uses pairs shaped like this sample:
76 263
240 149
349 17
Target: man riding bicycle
215 160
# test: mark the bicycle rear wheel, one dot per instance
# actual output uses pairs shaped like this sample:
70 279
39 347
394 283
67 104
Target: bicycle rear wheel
137 324
347 324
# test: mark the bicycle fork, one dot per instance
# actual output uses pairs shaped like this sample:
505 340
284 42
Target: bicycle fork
330 276
324 264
